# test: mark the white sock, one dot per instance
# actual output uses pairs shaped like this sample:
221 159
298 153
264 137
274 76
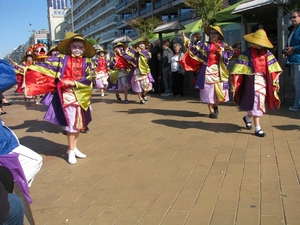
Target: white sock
257 128
248 119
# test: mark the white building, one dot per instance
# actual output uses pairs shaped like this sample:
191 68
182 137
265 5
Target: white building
56 19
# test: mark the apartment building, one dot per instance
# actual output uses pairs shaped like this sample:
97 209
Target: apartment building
166 10
96 19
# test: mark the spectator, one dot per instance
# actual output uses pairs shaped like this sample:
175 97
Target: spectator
292 51
154 65
166 66
177 72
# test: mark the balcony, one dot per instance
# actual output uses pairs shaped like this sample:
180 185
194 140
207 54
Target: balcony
96 14
145 10
111 21
162 3
100 11
177 3
109 36
125 6
121 24
184 17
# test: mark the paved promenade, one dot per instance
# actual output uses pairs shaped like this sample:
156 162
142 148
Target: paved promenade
164 163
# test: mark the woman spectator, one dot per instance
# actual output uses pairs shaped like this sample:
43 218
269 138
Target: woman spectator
177 72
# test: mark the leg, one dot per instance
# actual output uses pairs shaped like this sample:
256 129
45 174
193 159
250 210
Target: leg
212 113
258 130
295 73
165 79
16 212
73 150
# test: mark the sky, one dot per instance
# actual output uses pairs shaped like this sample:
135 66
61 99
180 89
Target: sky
15 19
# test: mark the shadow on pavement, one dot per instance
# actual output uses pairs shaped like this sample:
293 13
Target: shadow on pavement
214 127
37 126
180 113
44 146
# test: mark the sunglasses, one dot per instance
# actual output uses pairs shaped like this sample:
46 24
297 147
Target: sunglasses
213 33
293 17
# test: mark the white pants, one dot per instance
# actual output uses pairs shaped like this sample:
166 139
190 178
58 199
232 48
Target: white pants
30 161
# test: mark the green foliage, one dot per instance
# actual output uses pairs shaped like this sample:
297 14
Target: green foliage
93 41
206 9
144 27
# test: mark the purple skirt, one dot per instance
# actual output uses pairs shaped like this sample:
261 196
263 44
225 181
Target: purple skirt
208 94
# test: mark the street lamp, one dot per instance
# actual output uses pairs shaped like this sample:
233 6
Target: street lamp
72 18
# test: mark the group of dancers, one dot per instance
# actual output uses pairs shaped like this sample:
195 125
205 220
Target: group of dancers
67 76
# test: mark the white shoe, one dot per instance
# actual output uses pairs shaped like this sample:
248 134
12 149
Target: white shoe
78 153
71 158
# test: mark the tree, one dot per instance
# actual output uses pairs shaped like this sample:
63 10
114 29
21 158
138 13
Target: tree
144 27
93 41
206 9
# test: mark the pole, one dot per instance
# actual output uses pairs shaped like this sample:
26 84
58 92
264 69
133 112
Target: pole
72 17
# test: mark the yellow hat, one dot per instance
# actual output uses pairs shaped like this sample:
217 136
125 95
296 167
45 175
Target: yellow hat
100 49
145 41
119 44
53 48
216 28
64 48
259 37
29 52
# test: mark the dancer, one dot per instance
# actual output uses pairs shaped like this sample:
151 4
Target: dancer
255 78
125 61
70 74
212 79
142 79
28 59
101 63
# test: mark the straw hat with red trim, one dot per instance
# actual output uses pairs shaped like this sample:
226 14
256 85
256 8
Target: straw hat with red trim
64 47
216 28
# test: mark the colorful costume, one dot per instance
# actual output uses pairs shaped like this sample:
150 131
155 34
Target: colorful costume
20 69
125 61
102 66
47 76
69 77
142 79
212 79
255 78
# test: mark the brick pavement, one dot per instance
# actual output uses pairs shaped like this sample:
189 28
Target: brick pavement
164 163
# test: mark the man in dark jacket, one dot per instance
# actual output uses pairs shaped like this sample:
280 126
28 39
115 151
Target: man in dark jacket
292 52
166 66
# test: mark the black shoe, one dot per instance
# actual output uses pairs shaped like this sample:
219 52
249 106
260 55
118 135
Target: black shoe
85 130
213 115
260 133
143 102
145 98
118 97
248 124
6 103
126 101
216 110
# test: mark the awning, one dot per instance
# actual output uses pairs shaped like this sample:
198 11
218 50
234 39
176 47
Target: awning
169 27
193 26
225 14
124 38
251 4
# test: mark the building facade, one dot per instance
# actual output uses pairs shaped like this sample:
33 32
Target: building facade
56 19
